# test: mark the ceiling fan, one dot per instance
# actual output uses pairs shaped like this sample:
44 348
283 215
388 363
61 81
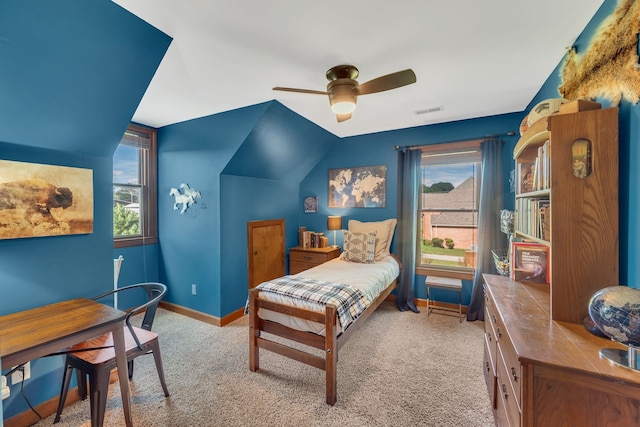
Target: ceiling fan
343 89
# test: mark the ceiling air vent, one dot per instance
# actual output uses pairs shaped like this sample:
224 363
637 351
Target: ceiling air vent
430 110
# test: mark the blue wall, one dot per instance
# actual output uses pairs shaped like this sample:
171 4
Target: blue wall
72 75
247 163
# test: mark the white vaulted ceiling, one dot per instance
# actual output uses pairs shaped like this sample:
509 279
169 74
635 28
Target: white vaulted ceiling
471 58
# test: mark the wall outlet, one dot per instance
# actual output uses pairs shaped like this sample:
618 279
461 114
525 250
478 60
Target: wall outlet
16 377
5 390
193 289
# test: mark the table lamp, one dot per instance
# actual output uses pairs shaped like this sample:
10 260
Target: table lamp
334 222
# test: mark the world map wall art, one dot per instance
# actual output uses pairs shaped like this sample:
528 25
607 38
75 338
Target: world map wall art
39 200
358 187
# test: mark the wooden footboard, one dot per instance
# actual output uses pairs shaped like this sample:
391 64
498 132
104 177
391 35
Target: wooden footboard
330 343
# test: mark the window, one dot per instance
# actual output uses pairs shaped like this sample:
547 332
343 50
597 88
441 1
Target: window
448 200
134 188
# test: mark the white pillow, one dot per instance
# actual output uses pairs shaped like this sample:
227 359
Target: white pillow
359 247
384 234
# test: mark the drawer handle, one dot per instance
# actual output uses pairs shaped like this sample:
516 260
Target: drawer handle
499 332
489 337
307 258
493 318
504 391
487 365
514 373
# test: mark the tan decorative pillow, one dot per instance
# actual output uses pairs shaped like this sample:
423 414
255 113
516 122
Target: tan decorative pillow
359 247
384 234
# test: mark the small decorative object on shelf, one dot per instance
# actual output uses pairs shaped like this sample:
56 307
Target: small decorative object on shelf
615 310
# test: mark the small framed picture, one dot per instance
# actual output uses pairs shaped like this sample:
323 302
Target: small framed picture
311 204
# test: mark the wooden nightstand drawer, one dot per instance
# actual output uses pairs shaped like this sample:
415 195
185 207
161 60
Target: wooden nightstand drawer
301 259
306 256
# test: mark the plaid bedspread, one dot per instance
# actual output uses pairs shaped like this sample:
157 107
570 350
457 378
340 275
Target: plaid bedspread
350 302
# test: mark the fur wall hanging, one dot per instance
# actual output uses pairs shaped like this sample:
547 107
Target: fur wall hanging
609 66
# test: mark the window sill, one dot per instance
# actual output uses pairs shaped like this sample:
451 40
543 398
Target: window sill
444 272
134 241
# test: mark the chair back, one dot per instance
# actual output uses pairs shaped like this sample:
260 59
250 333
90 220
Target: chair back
153 292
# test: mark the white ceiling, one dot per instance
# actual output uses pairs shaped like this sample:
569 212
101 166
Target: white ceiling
472 58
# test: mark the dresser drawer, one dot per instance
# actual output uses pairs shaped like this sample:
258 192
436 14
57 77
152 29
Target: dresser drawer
489 372
506 396
490 342
512 367
491 314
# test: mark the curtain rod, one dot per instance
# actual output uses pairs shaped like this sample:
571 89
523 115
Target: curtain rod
413 147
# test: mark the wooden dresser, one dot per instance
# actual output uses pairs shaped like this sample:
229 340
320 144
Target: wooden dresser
301 259
542 372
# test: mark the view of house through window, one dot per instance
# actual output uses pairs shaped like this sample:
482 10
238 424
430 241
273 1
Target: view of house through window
448 202
134 187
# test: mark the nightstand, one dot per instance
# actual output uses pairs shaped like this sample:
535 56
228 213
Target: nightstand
301 259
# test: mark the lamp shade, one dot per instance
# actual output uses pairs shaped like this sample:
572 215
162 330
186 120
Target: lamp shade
334 222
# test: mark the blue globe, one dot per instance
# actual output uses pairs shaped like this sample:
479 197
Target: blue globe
616 312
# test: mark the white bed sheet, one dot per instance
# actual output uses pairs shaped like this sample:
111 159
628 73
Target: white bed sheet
370 279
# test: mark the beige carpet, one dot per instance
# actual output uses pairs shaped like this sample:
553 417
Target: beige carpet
398 369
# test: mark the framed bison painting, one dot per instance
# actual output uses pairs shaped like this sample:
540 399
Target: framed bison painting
39 200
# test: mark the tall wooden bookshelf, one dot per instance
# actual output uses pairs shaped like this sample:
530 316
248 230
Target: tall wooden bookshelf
582 229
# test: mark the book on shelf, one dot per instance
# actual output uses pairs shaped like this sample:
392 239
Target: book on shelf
533 175
525 176
529 262
533 215
544 219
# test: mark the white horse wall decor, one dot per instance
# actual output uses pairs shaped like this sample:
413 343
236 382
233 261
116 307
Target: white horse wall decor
187 197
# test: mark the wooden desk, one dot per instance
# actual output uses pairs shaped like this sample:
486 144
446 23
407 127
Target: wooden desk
35 333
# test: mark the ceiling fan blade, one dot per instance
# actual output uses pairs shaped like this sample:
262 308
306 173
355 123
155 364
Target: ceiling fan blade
390 81
290 89
343 117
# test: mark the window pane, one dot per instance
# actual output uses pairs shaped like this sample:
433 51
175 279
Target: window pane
448 216
127 205
126 165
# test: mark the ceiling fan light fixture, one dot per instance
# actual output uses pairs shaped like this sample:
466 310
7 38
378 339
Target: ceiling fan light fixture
343 89
342 98
343 107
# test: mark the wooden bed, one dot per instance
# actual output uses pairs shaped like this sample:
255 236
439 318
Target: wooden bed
329 342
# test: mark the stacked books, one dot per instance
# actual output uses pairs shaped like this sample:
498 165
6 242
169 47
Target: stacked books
311 239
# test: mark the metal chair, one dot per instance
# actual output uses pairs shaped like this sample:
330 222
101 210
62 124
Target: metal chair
96 359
